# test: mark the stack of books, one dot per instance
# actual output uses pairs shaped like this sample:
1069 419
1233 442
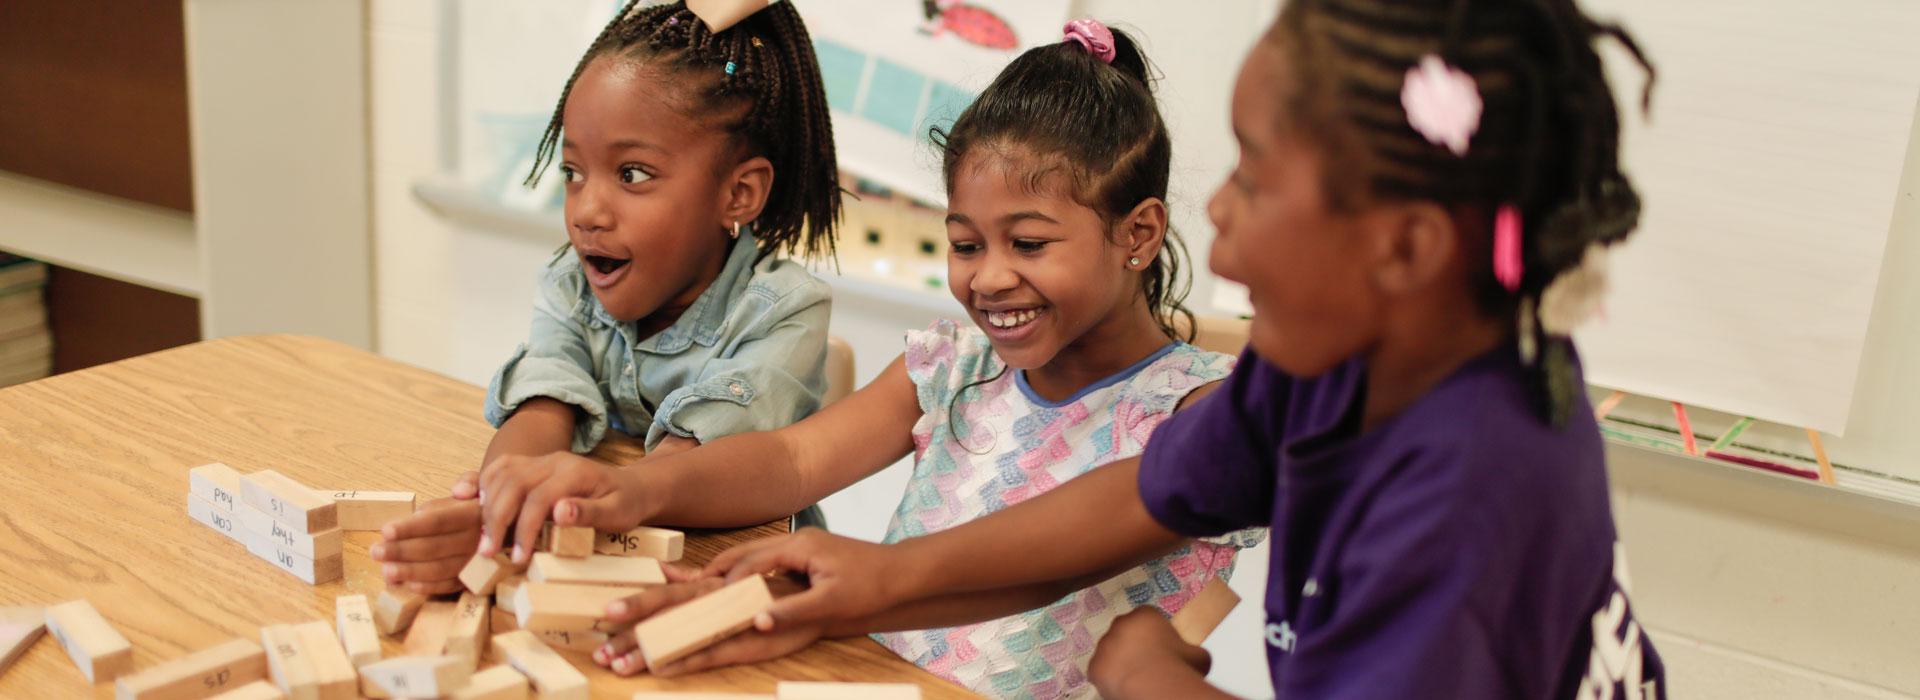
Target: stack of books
26 345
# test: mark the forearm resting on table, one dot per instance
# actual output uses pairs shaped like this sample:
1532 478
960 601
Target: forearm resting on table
966 608
1092 526
539 426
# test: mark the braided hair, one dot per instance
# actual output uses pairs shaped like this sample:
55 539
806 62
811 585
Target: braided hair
1100 127
761 83
1548 141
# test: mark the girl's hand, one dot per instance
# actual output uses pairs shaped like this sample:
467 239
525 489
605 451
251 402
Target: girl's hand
467 486
847 578
621 654
1143 648
518 494
425 551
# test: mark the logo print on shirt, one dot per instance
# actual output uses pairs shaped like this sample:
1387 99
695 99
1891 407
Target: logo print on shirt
1616 658
1280 635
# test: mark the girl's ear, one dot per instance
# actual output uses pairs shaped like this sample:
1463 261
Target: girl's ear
1144 231
1414 245
744 191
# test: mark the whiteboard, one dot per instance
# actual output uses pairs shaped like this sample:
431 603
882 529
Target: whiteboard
1769 170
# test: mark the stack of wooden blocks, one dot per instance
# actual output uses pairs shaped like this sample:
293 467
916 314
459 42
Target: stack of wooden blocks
284 522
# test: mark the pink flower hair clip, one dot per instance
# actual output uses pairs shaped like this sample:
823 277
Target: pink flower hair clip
1093 36
1442 103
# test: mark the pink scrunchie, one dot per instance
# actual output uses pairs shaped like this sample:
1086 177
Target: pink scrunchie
1093 36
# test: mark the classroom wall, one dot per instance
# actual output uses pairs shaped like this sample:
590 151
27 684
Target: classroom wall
1754 587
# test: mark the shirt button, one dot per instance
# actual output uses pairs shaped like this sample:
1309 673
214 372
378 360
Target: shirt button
735 388
1311 589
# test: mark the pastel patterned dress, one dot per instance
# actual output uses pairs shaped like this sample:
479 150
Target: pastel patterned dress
1001 444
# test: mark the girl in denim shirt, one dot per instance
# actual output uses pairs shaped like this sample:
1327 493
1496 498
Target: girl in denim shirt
696 151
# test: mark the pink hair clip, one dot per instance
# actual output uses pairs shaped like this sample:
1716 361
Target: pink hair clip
1442 103
1093 36
1508 263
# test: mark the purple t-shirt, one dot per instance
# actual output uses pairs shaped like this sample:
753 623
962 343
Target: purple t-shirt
1462 549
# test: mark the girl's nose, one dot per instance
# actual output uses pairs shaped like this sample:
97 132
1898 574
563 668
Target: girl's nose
587 211
994 277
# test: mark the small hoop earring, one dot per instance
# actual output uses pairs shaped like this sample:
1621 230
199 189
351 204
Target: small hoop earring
1133 262
736 230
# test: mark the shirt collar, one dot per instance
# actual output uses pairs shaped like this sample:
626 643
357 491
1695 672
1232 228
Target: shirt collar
703 320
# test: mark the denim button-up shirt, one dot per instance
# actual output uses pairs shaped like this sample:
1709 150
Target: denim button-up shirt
748 355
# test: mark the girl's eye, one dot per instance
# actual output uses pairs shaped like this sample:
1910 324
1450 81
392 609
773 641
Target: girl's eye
963 248
633 175
568 174
1026 245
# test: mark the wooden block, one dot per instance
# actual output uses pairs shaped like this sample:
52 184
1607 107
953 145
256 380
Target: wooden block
215 669
257 690
551 675
467 634
312 571
506 591
287 663
1204 612
368 511
497 683
318 545
428 636
570 542
334 671
572 640
500 621
394 609
597 570
483 573
353 618
565 606
686 695
19 629
95 646
795 690
288 501
218 483
211 516
418 676
700 622
659 543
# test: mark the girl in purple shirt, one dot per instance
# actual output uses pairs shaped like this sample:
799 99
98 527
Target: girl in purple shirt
1423 201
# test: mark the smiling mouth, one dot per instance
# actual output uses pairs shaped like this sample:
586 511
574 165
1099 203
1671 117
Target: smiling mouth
1013 318
606 265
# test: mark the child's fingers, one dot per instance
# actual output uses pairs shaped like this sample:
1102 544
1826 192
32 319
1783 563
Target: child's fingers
617 646
812 605
602 512
789 555
728 560
429 548
501 509
629 663
682 574
434 520
534 512
424 571
646 603
739 649
435 587
467 487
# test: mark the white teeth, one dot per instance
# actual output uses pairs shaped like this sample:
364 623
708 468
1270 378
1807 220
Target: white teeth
1011 319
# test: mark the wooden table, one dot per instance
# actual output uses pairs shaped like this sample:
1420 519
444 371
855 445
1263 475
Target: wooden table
93 493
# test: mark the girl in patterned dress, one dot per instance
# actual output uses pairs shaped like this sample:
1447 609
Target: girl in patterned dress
1062 256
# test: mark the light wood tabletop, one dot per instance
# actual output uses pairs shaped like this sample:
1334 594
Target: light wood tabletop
93 502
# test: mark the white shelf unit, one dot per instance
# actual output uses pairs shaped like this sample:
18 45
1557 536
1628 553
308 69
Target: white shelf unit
121 239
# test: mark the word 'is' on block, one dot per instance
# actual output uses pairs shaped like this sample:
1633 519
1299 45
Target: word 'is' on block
288 501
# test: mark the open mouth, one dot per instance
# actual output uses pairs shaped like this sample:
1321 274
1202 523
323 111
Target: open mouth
1012 318
606 265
